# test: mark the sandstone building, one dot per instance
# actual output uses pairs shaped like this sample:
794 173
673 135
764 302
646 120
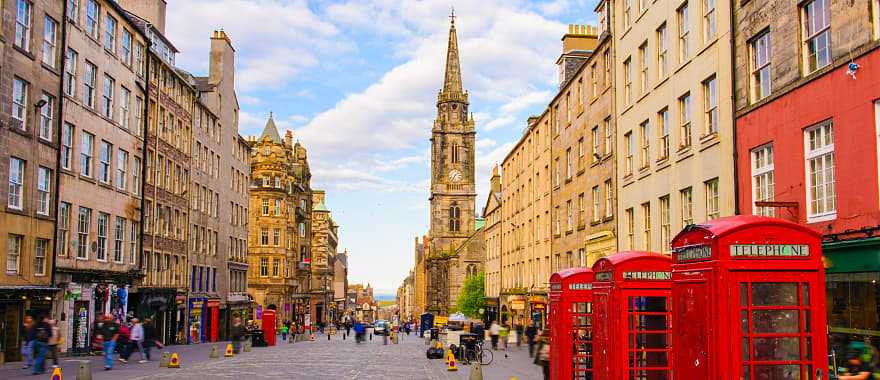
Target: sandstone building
279 227
324 244
674 118
101 167
29 122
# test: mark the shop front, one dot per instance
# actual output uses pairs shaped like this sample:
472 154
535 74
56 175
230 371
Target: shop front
85 304
537 311
852 273
516 310
15 303
492 311
196 320
159 305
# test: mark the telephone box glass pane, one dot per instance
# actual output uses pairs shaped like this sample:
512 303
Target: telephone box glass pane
647 304
775 321
776 349
648 375
778 372
774 294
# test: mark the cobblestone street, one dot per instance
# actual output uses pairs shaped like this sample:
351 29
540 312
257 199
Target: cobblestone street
334 359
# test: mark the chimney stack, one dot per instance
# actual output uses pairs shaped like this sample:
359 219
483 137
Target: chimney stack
495 181
151 10
577 45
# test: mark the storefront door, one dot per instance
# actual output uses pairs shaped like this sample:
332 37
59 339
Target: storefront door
10 326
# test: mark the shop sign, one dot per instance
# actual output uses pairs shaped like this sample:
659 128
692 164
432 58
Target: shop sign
539 306
603 276
517 305
537 299
580 286
769 250
693 253
213 303
647 275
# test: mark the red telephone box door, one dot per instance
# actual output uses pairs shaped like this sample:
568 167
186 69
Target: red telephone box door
602 333
776 312
691 302
582 339
648 337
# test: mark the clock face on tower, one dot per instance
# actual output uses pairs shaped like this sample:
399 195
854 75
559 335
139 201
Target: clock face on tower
454 176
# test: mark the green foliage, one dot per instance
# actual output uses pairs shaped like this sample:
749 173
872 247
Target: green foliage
473 296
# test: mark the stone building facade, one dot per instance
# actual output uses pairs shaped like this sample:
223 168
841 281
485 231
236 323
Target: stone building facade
674 118
324 245
808 139
492 237
340 284
161 295
218 198
279 227
453 192
28 148
525 220
101 166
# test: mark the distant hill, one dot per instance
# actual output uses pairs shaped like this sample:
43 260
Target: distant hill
385 297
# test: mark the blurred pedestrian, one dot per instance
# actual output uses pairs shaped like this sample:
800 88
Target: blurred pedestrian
123 342
494 331
109 333
542 355
150 337
27 346
519 333
531 332
237 332
284 330
137 340
54 340
42 333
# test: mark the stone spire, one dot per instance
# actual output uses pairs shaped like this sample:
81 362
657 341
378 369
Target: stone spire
271 131
452 82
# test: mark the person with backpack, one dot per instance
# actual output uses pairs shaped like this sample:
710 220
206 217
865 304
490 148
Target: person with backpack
542 354
42 333
109 334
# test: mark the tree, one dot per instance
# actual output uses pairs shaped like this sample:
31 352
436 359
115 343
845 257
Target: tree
473 296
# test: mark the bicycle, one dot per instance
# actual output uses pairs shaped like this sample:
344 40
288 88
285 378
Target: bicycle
485 355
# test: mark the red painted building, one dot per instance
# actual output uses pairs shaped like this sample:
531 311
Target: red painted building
813 153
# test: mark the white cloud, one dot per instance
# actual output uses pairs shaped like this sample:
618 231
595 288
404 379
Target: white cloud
485 143
526 101
499 122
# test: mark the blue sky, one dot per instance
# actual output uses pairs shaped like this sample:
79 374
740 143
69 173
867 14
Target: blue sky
356 81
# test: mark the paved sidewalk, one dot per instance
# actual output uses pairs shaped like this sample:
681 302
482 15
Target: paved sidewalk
322 359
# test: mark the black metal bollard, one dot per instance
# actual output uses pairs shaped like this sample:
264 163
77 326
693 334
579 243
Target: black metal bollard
343 336
328 336
371 336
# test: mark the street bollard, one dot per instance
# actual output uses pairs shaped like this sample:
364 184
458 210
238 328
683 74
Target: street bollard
214 354
163 362
385 339
85 370
371 336
476 371
343 336
247 345
328 337
291 339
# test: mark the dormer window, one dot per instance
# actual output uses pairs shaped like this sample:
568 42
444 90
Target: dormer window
267 151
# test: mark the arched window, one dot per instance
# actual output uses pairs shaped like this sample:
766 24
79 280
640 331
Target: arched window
454 218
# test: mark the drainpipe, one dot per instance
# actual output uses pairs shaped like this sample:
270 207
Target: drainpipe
59 128
145 122
732 39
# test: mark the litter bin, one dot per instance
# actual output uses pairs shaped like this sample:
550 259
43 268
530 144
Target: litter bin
468 343
258 338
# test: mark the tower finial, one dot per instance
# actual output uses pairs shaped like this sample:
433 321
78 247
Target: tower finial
452 80
270 114
452 16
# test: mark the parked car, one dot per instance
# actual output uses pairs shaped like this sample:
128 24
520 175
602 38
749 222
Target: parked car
380 327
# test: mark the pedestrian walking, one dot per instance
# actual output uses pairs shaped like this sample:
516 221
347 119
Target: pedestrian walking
531 332
42 333
150 337
494 331
109 333
542 355
137 339
27 346
502 337
284 330
54 340
123 343
237 332
519 333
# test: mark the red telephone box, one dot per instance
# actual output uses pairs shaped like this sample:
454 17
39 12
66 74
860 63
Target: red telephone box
269 326
749 298
632 311
571 324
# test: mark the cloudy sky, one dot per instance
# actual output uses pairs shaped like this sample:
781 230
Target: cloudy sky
356 81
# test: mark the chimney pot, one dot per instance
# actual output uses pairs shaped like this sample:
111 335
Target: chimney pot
570 28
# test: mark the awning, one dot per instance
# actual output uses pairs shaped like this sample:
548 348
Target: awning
861 255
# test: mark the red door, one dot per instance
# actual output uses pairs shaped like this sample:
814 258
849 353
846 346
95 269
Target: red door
777 326
691 306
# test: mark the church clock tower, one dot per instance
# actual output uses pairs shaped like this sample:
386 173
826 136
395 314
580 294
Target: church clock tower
453 193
